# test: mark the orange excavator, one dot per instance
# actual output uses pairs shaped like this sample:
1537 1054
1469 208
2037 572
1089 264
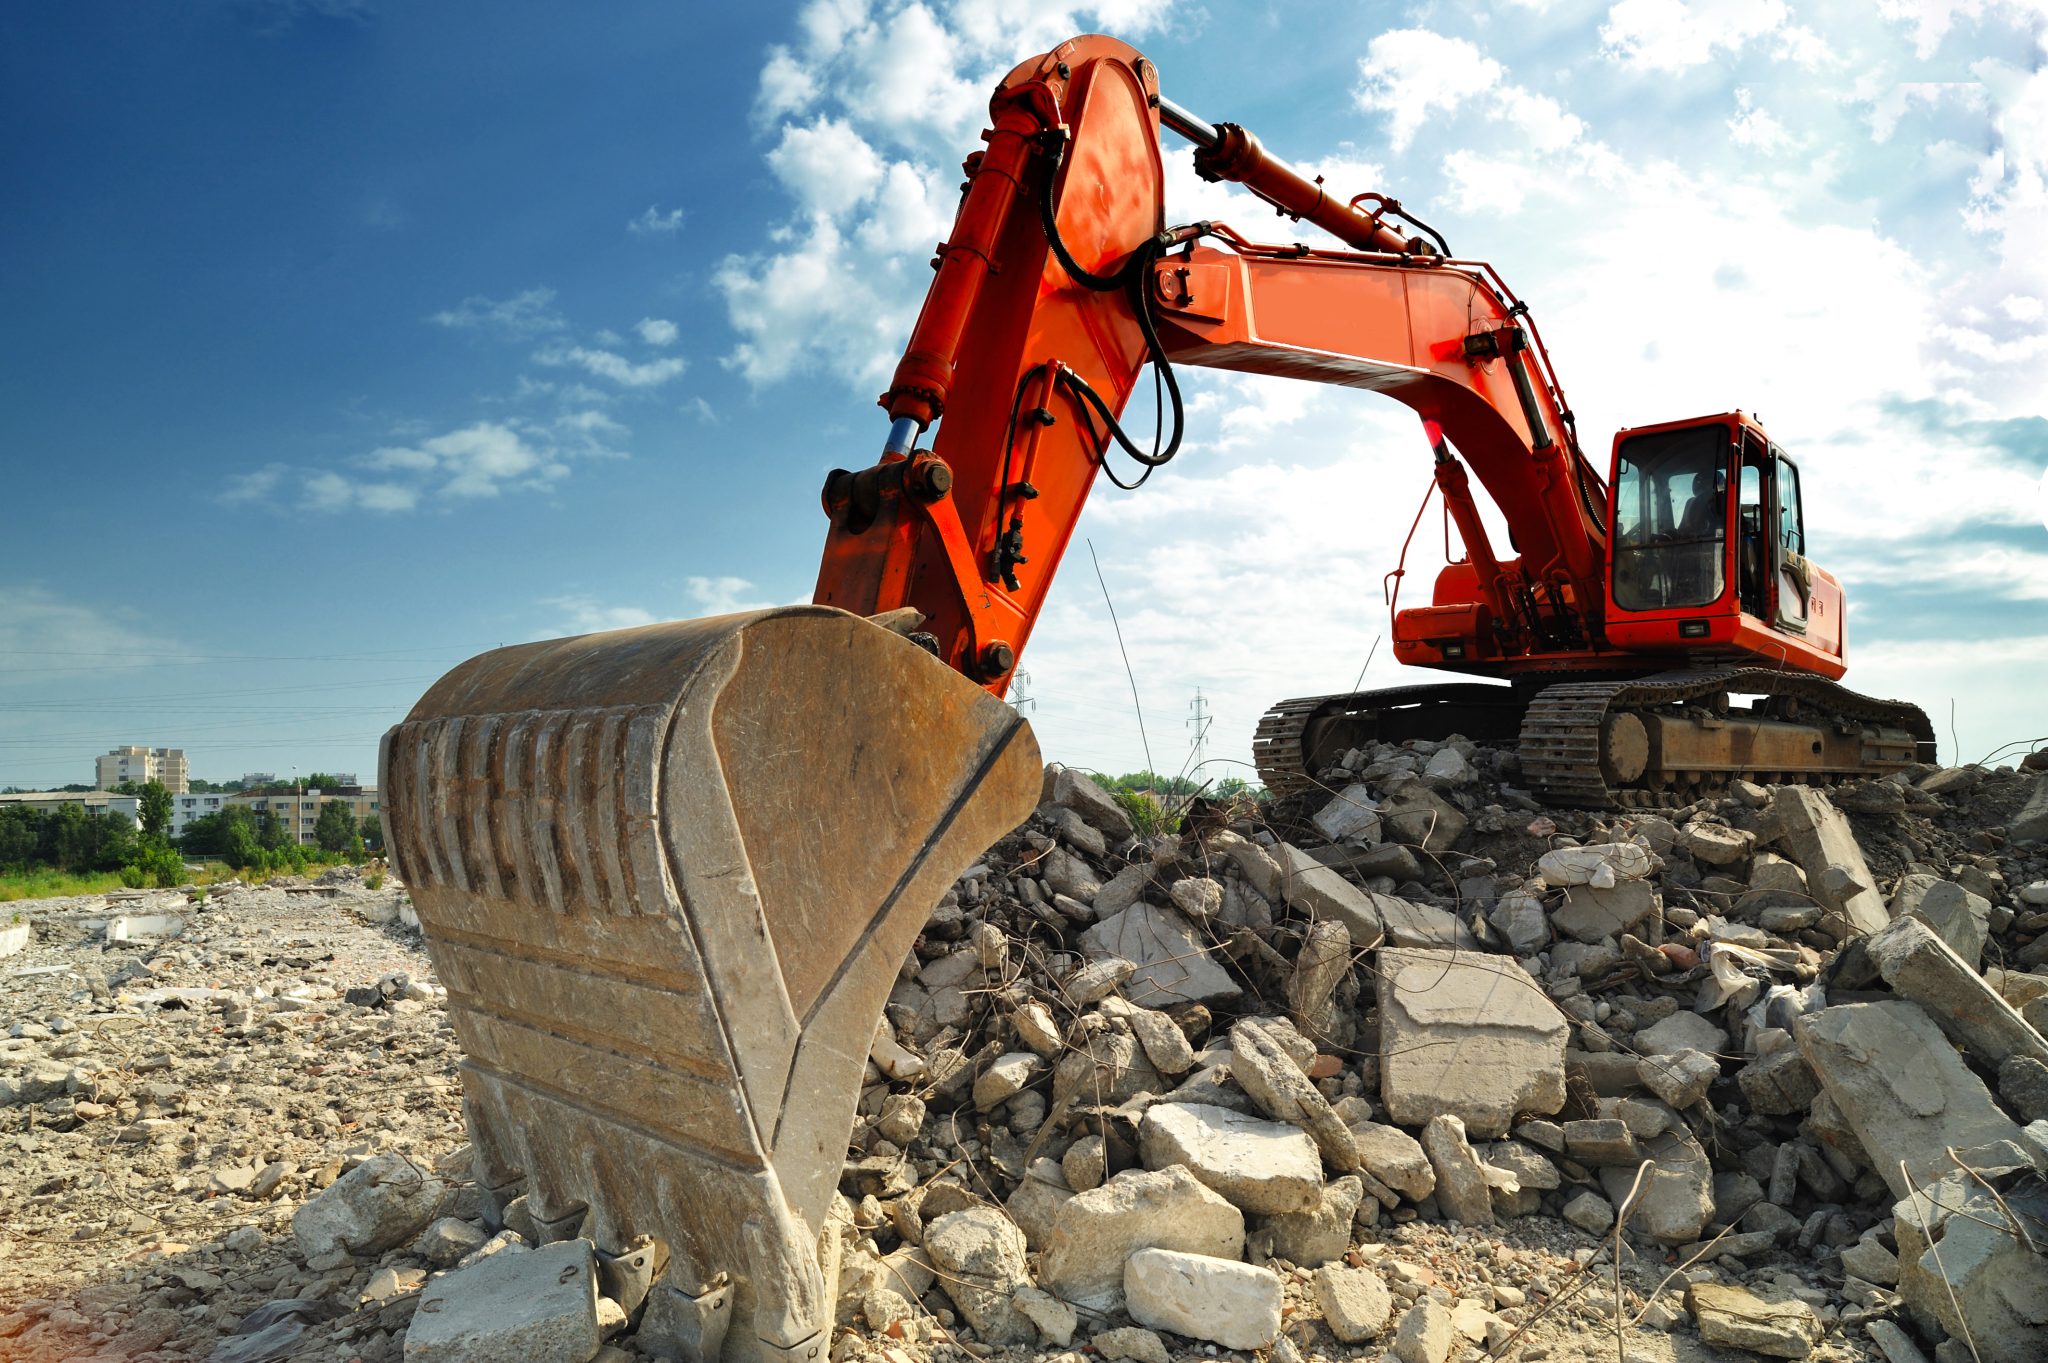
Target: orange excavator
669 874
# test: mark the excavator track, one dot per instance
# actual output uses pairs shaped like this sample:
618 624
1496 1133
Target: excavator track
1579 740
1615 741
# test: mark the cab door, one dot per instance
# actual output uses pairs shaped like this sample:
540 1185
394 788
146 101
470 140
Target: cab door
1791 574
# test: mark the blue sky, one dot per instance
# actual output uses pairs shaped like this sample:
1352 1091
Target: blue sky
344 340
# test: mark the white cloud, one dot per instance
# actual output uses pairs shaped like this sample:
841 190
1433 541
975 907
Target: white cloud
1408 73
257 485
1677 35
577 614
787 86
723 595
606 364
656 330
1755 128
45 637
828 166
654 221
523 315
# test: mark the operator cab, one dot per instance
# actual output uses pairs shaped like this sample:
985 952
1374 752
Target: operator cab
1707 544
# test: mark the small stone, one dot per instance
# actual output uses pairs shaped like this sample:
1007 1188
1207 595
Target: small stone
1056 1321
1680 1079
1197 896
1591 1213
1132 1342
1006 1076
447 1241
1872 1262
1085 1163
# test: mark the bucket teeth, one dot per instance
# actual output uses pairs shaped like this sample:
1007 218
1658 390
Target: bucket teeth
667 876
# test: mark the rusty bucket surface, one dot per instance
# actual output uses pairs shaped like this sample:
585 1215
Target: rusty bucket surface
668 876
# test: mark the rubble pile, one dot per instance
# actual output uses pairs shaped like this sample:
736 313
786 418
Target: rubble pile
1418 1069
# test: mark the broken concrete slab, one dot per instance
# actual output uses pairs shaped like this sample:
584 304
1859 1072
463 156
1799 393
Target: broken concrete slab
1352 813
540 1304
1409 924
1682 1031
1963 1269
1923 966
1818 837
1590 913
1739 1319
1901 1087
1394 1157
1469 1035
1097 1231
1676 1196
1960 917
2031 823
1078 791
1260 1166
1308 1239
1316 890
1226 1302
1172 965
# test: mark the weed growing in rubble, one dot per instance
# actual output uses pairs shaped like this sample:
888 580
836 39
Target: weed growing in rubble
374 881
53 884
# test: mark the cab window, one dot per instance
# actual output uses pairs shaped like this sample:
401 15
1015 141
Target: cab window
1671 518
1791 528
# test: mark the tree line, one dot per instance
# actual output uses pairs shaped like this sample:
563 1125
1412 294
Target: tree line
80 841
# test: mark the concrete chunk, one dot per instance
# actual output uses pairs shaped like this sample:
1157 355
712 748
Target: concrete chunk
979 1255
1461 1187
1233 1304
1307 1239
1355 1302
1590 913
1819 838
1097 1231
1275 1081
537 1305
1901 1086
1958 917
1740 1319
1469 1035
2031 823
1352 813
1259 1166
1920 965
378 1205
1078 791
1172 965
1961 1267
1308 885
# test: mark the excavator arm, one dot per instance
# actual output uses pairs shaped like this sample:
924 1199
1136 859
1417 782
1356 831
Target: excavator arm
1061 282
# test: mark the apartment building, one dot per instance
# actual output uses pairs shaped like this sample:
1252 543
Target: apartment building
185 808
300 809
128 807
139 764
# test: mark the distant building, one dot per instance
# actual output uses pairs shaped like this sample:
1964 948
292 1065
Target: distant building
253 779
142 765
128 807
300 809
186 808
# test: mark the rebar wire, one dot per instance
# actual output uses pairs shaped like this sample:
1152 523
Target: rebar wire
1146 742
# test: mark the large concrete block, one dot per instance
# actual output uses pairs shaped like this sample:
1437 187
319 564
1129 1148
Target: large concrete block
1819 838
541 1305
1901 1086
1469 1035
1921 966
1961 1266
2031 823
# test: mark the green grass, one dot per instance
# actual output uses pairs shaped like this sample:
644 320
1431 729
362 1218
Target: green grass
53 884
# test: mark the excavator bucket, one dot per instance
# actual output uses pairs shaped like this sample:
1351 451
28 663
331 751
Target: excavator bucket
668 876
